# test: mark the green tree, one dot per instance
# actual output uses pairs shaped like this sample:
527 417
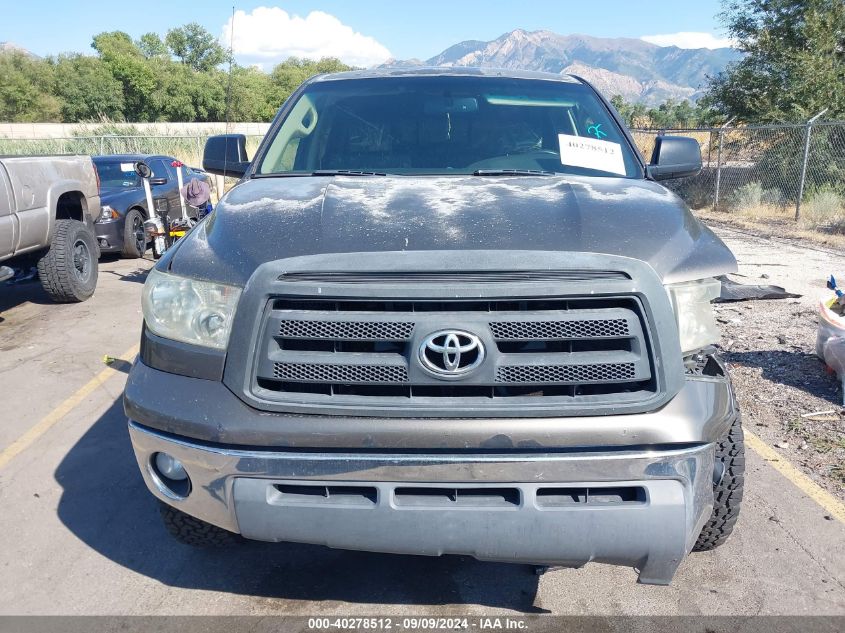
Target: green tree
196 47
140 81
287 76
87 89
135 72
26 89
251 97
183 94
794 63
668 115
152 47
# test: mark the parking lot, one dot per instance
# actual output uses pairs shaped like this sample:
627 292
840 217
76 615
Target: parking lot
81 534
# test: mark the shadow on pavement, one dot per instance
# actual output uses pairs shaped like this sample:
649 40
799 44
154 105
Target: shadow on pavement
795 369
106 505
12 295
138 276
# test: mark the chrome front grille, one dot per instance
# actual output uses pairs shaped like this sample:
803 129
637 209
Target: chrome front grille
355 354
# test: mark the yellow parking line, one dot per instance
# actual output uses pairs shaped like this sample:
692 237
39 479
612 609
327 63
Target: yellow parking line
52 418
809 487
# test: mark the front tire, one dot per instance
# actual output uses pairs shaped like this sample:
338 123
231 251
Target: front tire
68 271
134 235
727 494
193 531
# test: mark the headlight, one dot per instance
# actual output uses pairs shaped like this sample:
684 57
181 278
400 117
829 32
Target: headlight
693 312
189 310
107 213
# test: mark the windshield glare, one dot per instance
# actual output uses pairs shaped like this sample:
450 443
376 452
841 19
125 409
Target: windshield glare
117 174
449 125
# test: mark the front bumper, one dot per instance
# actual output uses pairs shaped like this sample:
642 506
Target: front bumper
634 507
110 235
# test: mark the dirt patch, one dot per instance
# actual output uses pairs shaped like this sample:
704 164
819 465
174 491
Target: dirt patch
781 226
785 392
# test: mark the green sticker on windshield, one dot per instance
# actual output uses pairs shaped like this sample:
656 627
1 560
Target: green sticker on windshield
596 131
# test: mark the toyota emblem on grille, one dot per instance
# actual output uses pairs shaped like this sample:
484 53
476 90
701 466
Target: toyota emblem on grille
451 353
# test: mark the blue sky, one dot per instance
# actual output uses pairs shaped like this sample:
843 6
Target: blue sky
363 31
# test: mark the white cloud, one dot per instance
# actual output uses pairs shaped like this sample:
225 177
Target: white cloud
269 34
689 39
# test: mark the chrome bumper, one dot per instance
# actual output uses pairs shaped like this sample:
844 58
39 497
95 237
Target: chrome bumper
514 507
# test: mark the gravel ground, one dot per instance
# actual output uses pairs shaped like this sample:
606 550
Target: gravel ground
786 394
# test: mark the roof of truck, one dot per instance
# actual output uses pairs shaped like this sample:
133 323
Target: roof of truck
445 71
128 157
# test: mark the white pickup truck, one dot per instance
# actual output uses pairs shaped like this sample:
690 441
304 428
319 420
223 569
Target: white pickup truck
48 205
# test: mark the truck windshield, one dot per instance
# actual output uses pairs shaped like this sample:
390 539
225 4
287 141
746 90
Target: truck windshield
449 125
116 173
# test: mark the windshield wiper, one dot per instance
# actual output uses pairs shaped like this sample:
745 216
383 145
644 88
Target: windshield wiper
512 172
345 172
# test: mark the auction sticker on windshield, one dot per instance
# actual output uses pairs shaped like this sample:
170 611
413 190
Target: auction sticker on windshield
591 153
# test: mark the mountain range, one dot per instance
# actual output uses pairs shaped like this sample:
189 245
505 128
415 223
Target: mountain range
635 69
11 47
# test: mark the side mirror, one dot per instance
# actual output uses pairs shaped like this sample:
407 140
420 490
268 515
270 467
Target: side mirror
143 170
674 157
225 155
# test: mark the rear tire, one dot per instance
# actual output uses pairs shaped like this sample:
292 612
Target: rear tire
193 531
134 236
727 494
68 271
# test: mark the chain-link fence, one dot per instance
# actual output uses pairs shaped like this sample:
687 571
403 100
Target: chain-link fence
790 173
187 148
776 172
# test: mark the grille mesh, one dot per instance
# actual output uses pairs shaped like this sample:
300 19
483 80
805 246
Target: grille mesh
537 374
353 353
550 330
312 372
347 330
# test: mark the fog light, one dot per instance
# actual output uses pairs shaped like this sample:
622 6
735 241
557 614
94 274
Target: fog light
170 467
169 476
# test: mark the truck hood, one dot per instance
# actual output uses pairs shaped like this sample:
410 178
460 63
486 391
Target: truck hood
266 219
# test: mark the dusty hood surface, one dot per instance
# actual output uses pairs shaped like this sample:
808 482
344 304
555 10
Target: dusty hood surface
266 219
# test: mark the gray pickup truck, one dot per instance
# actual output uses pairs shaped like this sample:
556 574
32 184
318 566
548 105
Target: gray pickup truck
48 205
444 311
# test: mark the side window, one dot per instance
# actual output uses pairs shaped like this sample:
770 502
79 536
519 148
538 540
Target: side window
159 168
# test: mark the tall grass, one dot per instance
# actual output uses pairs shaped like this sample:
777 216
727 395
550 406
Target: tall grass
824 210
751 200
117 138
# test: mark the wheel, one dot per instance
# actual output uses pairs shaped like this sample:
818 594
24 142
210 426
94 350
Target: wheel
68 271
134 235
727 494
192 531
